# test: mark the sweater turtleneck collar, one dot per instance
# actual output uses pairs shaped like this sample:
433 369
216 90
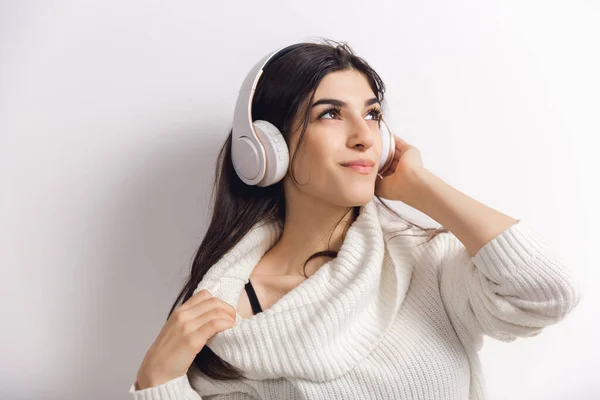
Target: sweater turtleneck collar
328 323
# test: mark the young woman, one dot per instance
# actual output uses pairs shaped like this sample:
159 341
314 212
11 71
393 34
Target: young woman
306 287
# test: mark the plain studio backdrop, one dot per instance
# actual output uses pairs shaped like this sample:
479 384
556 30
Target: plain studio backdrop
112 113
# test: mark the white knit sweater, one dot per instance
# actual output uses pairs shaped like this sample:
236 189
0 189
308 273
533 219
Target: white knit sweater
386 319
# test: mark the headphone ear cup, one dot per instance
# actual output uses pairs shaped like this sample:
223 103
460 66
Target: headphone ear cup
276 151
388 147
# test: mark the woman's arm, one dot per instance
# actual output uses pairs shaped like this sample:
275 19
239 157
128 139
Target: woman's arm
471 221
498 276
513 287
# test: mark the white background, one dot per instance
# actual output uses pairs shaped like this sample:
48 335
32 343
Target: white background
112 113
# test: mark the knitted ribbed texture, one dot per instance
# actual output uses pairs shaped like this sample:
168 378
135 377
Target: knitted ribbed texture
175 389
385 319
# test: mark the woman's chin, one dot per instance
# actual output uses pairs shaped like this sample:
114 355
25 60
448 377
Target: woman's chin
359 198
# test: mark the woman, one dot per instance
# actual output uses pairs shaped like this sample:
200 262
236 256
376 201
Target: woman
267 313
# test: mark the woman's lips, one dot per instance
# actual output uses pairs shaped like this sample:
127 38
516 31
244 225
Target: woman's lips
360 169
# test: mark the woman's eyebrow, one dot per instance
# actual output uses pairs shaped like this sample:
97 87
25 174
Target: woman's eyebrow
340 103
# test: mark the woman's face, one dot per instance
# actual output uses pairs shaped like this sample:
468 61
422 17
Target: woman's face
334 137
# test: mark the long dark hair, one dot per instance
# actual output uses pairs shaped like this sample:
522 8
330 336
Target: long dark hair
287 81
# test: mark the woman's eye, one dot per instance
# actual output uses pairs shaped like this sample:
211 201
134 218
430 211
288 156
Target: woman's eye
376 114
329 112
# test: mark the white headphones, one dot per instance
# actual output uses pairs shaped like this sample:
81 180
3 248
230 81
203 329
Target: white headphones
259 152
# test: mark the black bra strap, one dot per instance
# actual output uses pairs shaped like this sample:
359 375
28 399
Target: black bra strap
253 298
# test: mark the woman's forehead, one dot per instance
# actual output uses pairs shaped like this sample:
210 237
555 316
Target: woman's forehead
349 87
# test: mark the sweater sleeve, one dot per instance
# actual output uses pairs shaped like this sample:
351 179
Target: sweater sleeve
230 396
176 389
513 287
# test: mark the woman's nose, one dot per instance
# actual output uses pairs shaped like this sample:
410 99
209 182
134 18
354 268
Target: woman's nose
362 132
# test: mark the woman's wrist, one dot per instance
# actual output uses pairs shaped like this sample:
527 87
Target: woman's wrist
143 381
